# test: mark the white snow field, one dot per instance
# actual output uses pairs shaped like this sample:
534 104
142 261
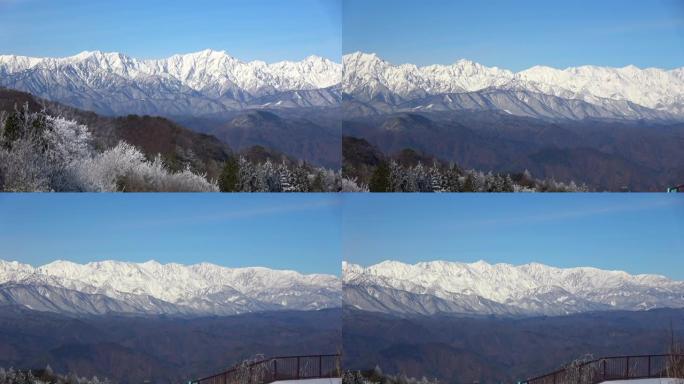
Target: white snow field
646 381
311 381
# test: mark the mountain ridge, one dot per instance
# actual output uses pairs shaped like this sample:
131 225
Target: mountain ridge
369 78
154 288
199 83
504 289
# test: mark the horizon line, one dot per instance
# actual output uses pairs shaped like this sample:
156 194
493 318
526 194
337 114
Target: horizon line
441 64
222 51
508 264
152 261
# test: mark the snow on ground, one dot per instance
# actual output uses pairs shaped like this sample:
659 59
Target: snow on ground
646 381
312 381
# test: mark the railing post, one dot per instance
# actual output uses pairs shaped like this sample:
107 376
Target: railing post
627 369
320 366
297 367
604 369
275 369
649 366
554 377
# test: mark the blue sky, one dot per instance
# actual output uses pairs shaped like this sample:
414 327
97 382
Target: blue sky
639 233
299 232
269 30
518 34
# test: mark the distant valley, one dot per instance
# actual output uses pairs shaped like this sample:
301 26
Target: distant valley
492 323
611 128
467 349
159 349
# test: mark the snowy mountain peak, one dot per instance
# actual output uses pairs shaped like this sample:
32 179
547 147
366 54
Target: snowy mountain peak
531 288
207 81
368 77
174 288
86 54
362 57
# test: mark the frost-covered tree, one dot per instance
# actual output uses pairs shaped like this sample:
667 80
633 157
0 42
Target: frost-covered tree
351 185
14 376
376 376
125 168
44 153
442 178
285 177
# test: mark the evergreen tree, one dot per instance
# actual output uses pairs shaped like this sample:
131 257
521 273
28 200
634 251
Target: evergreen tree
508 184
317 183
12 130
469 185
380 180
230 175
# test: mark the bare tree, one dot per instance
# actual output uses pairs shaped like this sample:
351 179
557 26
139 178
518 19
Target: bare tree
579 371
675 362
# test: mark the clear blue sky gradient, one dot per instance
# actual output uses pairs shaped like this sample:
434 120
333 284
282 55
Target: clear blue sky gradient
282 231
269 30
638 233
517 35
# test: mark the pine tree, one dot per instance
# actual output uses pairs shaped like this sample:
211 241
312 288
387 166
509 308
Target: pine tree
380 180
317 183
230 175
436 178
508 185
469 185
12 129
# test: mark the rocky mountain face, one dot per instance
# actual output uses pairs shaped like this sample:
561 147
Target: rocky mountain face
480 288
153 288
201 83
586 92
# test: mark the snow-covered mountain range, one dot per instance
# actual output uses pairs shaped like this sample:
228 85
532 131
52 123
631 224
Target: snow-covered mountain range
198 83
481 288
213 82
572 93
154 288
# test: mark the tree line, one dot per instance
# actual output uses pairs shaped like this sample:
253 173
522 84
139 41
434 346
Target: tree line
43 153
391 176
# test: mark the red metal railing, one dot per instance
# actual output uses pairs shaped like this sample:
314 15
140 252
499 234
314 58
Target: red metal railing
615 368
278 368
